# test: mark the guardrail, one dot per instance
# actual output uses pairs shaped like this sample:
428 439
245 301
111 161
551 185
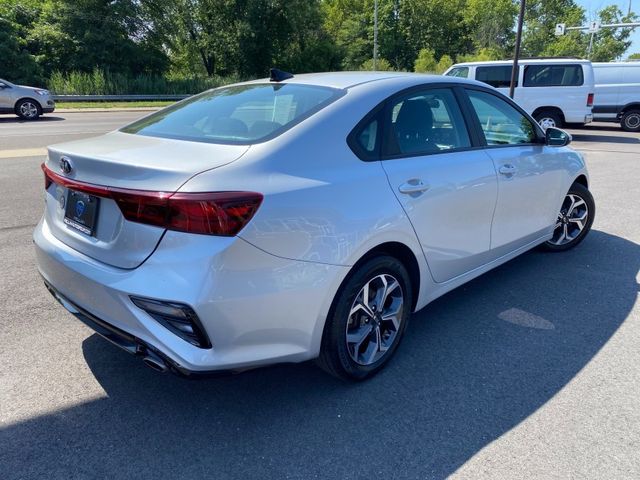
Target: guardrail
116 98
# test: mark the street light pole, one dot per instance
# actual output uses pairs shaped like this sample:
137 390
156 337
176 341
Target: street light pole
514 70
375 34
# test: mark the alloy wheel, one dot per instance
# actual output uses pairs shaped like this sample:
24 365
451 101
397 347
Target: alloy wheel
374 319
28 110
571 221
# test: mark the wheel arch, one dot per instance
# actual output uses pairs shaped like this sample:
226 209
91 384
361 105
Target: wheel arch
37 103
401 252
582 180
557 110
630 106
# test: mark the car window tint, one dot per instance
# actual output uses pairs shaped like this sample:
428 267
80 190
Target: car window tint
501 123
240 115
460 72
498 76
426 122
553 76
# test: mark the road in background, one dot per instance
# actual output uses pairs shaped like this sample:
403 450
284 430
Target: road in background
530 371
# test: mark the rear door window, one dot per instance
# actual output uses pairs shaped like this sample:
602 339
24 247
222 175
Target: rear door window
498 76
425 122
553 76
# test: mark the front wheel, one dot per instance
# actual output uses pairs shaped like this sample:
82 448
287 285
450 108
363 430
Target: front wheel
574 220
28 109
367 321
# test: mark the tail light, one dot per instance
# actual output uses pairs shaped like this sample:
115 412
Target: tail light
212 213
590 100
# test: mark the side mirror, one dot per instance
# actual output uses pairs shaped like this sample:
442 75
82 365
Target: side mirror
3 86
554 137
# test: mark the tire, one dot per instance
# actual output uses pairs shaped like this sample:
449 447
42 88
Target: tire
372 339
549 118
630 121
574 220
28 109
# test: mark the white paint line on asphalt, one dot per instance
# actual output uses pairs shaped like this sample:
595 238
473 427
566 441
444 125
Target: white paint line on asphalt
24 152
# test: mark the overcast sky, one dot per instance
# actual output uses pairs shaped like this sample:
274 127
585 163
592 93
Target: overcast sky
592 7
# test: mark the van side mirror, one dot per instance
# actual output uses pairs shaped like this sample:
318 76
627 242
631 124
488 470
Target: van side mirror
554 137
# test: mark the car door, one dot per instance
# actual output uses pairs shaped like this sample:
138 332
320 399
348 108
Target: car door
529 173
447 187
5 96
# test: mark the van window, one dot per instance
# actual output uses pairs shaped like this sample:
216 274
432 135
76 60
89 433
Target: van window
498 76
553 76
460 72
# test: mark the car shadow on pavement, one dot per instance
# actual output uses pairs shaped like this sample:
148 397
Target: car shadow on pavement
14 119
474 364
596 137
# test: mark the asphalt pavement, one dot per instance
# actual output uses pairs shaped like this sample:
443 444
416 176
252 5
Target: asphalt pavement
531 371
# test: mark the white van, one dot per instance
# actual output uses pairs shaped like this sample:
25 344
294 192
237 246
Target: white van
618 94
554 91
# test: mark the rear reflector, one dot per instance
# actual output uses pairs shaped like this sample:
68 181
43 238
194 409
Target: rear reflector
590 100
211 213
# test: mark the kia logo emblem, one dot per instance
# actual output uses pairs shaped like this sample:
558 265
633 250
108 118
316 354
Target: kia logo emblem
65 165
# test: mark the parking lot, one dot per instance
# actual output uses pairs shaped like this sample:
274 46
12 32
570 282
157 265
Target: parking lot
530 371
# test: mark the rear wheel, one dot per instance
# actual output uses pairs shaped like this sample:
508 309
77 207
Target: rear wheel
630 121
28 109
574 220
367 321
548 118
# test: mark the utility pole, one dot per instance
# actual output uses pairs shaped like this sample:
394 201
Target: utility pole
375 34
514 69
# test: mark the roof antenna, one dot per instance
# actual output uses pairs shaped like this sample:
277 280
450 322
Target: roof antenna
276 75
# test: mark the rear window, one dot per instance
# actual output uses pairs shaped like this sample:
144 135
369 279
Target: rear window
496 76
243 114
553 76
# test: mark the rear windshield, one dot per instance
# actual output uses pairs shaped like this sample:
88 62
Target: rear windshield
243 114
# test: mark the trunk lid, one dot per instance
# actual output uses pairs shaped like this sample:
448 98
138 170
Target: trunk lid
122 161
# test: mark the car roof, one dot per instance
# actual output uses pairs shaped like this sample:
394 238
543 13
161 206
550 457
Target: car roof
524 61
347 80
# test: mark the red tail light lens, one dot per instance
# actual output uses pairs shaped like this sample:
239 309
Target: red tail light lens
590 100
214 213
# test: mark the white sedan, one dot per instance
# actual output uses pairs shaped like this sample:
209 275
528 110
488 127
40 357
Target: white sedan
300 217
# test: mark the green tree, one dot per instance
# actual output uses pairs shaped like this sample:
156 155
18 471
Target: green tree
491 24
426 61
633 57
444 63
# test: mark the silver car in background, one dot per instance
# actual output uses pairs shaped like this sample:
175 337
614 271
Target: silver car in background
26 102
298 218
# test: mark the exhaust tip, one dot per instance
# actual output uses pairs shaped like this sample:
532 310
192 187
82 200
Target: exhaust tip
155 363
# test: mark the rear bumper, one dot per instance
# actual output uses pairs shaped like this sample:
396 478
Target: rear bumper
256 308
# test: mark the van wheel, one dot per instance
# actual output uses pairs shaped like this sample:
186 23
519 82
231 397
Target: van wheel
28 109
548 118
367 321
630 121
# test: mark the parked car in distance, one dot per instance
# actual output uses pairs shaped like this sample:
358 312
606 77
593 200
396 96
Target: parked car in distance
26 102
618 94
554 91
300 217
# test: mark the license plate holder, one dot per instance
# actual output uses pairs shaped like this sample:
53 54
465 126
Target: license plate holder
81 212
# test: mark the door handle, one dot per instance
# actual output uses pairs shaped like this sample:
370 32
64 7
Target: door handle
507 170
415 185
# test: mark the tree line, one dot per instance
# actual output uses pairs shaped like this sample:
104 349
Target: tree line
110 41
